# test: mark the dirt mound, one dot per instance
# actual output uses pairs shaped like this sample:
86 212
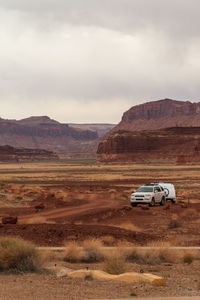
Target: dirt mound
56 234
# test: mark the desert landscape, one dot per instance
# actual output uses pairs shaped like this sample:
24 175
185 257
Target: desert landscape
81 203
99 150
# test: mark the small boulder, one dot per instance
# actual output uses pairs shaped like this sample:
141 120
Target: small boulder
9 220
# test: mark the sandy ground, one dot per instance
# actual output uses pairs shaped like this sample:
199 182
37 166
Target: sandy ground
80 202
181 280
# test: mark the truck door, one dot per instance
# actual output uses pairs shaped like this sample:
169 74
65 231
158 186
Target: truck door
158 194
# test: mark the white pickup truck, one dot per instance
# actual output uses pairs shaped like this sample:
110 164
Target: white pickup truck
149 194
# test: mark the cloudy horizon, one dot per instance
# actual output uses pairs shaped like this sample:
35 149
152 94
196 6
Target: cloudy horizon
89 61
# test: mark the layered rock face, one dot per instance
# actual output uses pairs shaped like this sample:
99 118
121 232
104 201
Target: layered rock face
43 133
11 154
160 114
178 145
101 129
164 131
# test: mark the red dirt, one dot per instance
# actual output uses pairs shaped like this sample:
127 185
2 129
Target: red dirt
95 211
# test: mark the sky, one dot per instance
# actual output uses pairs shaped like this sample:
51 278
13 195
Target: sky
85 61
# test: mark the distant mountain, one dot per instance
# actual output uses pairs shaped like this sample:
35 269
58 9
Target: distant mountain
45 133
160 114
101 128
11 154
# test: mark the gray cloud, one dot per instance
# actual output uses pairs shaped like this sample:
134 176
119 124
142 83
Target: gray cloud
89 60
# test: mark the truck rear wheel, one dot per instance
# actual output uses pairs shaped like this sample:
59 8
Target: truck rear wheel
162 202
152 202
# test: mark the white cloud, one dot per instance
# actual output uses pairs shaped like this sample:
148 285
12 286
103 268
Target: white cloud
81 61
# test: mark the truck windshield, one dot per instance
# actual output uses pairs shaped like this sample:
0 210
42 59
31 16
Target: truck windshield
145 189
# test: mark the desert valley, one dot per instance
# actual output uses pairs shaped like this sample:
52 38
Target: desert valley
54 193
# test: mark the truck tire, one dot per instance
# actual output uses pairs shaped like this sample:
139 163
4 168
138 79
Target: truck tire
152 202
162 202
134 204
173 201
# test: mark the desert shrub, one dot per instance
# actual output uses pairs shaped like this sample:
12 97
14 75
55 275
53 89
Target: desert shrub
73 253
156 255
133 294
89 277
115 263
133 255
174 224
175 241
188 258
90 251
108 240
189 212
93 250
19 256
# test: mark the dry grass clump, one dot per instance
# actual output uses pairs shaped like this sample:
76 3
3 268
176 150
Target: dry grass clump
188 258
93 250
159 253
108 240
89 251
115 263
19 256
73 253
174 223
175 241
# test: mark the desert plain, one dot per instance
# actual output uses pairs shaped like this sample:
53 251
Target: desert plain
72 201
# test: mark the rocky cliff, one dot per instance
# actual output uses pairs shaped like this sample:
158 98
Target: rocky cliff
101 128
11 154
171 145
160 114
43 133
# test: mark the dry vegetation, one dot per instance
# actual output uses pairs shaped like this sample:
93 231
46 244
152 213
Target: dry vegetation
89 251
98 196
19 256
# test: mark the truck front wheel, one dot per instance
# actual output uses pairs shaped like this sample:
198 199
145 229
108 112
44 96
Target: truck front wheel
152 202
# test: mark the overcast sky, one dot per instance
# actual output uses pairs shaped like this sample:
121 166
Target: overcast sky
90 60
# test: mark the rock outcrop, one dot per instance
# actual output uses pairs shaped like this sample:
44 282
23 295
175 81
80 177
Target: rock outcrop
11 154
160 114
179 145
43 133
101 129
